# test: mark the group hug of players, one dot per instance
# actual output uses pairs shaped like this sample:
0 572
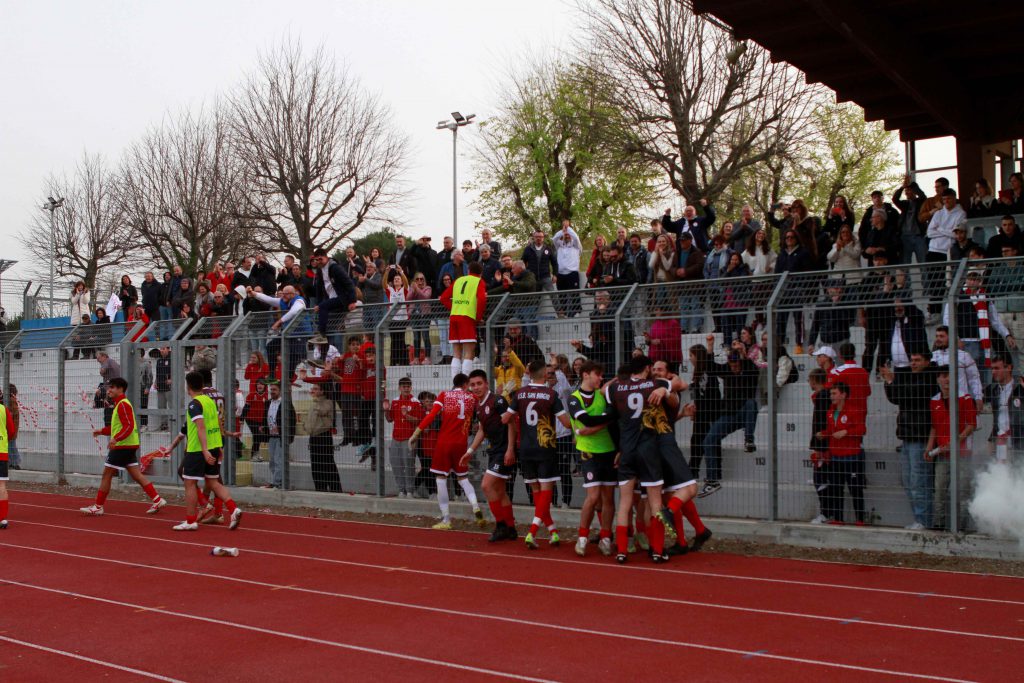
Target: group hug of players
624 432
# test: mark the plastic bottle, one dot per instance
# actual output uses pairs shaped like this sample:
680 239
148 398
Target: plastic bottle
224 552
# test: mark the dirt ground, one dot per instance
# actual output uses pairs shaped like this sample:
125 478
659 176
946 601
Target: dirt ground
715 545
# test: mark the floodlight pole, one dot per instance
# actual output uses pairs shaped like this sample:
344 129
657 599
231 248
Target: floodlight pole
52 205
458 120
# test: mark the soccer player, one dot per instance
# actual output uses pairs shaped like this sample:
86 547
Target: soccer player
202 454
123 452
490 408
212 509
456 408
537 406
8 433
467 301
587 409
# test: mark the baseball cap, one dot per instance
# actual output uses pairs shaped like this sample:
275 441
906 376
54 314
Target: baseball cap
825 351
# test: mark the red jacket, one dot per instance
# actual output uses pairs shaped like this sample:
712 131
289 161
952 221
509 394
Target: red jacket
256 407
850 421
859 381
351 371
967 416
403 428
254 372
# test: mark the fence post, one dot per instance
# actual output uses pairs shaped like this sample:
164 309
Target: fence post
773 434
177 397
619 357
954 397
226 378
61 398
378 411
492 319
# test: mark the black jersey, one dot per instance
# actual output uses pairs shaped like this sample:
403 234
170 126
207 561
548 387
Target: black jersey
630 401
538 406
489 412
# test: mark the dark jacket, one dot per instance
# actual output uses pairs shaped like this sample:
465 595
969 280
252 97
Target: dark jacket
912 393
822 403
912 332
835 221
540 260
832 320
291 420
426 261
958 253
264 275
491 267
737 387
690 264
699 227
994 248
792 262
1016 408
912 207
151 297
342 283
622 273
887 238
407 263
892 219
640 260
168 289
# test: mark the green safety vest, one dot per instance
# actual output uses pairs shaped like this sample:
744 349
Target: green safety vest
4 439
115 427
211 421
600 442
464 296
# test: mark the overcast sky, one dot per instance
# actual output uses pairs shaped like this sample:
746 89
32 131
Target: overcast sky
95 75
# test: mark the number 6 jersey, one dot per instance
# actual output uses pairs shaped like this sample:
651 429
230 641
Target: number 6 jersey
538 406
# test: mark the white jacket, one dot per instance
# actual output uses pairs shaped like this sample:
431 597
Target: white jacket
80 305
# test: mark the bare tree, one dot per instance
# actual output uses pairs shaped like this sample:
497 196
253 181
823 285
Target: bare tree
182 192
320 151
91 232
702 106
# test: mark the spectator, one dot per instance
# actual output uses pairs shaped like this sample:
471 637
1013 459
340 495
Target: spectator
620 239
982 203
839 215
166 292
349 373
961 245
717 259
204 300
520 280
968 375
664 339
940 238
820 464
825 357
320 425
844 431
662 262
1005 282
292 306
855 377
420 318
445 255
698 226
275 431
792 258
109 369
976 317
690 268
79 309
912 229
601 348
443 324
524 345
469 252
508 372
487 237
845 253
243 276
221 306
931 205
182 297
263 275
564 443
14 408
150 296
456 268
1012 200
404 412
256 369
1005 397
617 272
539 260
878 203
218 277
163 386
906 335
352 265
335 293
735 297
371 285
128 294
426 446
878 238
426 259
707 397
814 242
833 317
636 255
396 294
490 264
286 276
597 260
1009 235
568 252
938 449
403 257
911 391
137 314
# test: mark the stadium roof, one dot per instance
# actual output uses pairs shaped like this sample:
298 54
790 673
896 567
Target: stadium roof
927 69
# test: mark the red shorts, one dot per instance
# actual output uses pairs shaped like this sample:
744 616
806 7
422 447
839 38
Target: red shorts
461 330
446 458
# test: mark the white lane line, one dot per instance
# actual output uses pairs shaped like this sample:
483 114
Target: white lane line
219 623
618 637
533 557
83 658
547 586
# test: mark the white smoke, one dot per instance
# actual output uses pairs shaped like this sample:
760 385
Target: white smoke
998 503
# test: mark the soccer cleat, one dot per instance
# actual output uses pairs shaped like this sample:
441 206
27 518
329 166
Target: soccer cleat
642 541
93 510
212 519
699 540
631 546
480 521
206 513
677 549
555 539
665 515
581 546
443 525
531 544
511 534
186 526
749 446
659 559
498 534
155 507
236 519
622 558
605 546
3 524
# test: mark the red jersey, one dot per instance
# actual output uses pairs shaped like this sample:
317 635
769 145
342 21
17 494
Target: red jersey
859 381
368 384
351 367
456 407
428 441
967 416
256 407
402 408
852 423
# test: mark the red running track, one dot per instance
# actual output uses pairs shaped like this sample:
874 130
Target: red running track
124 596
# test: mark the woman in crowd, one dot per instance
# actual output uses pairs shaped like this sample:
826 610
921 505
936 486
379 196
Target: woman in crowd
419 290
255 415
204 300
707 395
442 326
982 201
128 294
839 215
845 253
256 369
664 338
759 257
397 293
80 302
735 297
594 267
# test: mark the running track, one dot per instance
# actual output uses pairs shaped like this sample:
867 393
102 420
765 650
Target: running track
123 596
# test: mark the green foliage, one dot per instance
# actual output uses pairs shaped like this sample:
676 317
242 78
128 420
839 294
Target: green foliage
546 157
382 239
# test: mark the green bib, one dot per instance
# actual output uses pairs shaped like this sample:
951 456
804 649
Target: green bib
4 438
600 442
115 427
464 296
211 421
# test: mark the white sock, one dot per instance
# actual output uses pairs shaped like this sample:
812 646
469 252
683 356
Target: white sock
442 498
456 366
467 486
467 366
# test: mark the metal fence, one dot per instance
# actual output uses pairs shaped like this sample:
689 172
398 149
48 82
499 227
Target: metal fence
753 441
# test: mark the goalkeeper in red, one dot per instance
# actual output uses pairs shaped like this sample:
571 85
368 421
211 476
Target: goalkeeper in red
124 450
456 407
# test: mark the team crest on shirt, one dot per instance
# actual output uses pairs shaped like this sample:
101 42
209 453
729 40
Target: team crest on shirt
487 410
842 419
590 476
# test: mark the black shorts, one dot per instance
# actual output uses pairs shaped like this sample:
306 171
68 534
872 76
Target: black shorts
673 464
598 469
3 471
539 466
641 462
195 467
120 458
496 466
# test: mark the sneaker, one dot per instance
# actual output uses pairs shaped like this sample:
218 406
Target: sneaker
642 541
631 546
236 519
155 507
443 525
709 488
699 540
916 526
622 558
3 524
318 364
581 546
511 534
749 446
665 515
480 521
93 510
555 540
318 339
820 519
677 549
498 534
212 519
531 544
659 559
186 526
206 513
605 546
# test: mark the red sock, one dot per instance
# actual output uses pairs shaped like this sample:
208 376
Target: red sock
622 538
583 532
542 505
202 499
3 509
535 526
218 506
191 519
101 498
656 535
230 505
677 519
150 491
690 512
497 511
510 515
606 533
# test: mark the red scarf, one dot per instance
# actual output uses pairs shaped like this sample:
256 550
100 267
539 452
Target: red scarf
981 309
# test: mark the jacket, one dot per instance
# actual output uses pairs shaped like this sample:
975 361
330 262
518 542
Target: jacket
690 264
80 305
277 419
847 421
1015 408
342 284
912 393
264 275
407 262
912 332
539 260
699 227
150 297
622 273
912 207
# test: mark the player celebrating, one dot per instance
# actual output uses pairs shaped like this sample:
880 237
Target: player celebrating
538 406
123 452
490 408
467 300
202 454
8 433
456 409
